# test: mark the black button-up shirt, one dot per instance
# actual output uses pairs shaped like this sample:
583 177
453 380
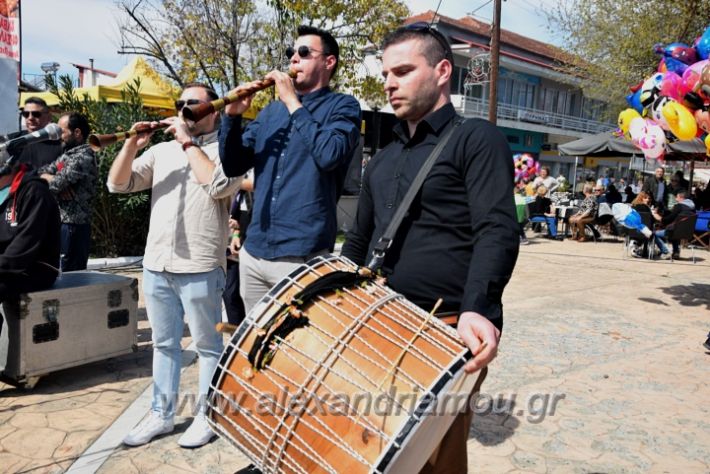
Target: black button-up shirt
460 239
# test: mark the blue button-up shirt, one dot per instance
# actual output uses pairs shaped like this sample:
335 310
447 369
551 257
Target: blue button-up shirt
300 161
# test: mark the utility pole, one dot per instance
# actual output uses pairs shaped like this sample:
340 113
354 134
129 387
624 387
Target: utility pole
495 58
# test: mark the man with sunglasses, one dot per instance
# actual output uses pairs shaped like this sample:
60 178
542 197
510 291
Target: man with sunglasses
36 115
300 147
184 263
460 238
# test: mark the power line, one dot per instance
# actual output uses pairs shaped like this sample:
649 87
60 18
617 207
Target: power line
481 6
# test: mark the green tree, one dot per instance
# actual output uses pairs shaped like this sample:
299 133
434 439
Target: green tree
227 42
120 221
611 41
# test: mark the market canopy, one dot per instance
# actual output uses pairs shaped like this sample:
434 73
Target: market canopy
156 92
607 144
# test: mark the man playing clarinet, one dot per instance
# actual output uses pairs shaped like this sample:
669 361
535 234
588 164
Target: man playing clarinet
185 261
300 147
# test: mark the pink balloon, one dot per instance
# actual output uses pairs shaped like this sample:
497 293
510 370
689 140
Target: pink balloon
649 137
672 86
691 76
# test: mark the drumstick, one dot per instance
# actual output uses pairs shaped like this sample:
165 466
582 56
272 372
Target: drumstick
226 328
481 348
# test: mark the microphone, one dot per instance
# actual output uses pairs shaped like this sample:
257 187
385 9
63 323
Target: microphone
50 132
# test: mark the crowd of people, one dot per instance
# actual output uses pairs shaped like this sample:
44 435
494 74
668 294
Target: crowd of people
666 201
236 208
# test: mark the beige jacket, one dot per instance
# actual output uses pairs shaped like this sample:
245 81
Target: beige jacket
188 221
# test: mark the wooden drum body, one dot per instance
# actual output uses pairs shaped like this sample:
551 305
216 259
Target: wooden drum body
370 384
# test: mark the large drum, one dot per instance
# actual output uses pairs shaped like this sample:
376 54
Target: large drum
347 377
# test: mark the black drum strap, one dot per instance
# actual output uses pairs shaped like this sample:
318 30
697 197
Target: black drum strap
384 243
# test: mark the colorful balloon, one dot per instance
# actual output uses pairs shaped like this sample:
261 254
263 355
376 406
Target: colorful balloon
678 51
672 86
691 76
525 166
655 111
650 89
625 118
680 120
702 118
649 137
634 100
702 45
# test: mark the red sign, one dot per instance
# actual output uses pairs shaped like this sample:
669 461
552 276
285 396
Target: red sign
9 29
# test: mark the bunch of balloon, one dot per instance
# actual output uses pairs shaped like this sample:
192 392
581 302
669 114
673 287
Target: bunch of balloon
674 103
526 168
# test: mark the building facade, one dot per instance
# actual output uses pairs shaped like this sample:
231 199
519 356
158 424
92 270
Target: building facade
539 107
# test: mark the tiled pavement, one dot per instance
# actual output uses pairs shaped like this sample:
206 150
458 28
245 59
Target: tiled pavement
615 343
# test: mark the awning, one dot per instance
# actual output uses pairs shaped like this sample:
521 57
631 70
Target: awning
156 92
606 144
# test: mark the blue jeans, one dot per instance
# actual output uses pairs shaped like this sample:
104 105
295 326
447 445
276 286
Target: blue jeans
658 239
551 222
167 297
75 244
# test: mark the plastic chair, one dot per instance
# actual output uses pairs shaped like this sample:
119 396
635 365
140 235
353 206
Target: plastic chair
632 234
702 229
535 218
682 228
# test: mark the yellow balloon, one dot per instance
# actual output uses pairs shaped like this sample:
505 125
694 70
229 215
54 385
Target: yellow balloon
625 118
707 145
680 120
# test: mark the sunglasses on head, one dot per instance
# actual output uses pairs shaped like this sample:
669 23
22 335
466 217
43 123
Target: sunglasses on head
424 27
179 104
303 51
33 113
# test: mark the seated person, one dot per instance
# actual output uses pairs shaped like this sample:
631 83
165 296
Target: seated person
612 195
683 208
542 207
642 204
599 194
29 232
586 214
629 195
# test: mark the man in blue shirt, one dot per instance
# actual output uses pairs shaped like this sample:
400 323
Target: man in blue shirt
300 147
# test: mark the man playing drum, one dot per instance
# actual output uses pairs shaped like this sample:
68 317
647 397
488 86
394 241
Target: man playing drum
459 241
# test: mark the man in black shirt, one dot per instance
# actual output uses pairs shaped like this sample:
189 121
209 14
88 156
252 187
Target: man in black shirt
460 238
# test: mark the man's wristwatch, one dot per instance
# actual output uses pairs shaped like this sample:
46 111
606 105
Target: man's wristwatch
187 145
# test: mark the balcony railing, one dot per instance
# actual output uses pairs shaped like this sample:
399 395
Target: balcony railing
473 107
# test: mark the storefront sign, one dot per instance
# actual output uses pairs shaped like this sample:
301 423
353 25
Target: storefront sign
9 29
9 58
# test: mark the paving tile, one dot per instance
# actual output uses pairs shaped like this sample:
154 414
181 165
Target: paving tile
619 339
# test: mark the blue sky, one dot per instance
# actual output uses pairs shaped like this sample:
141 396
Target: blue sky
72 31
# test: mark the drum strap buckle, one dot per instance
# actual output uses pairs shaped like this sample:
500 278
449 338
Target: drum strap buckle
378 253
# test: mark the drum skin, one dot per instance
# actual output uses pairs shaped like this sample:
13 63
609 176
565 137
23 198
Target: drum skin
348 391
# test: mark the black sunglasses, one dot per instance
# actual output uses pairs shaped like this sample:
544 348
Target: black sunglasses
424 27
303 51
34 113
179 104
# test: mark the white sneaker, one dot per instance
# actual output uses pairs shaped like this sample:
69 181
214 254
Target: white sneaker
198 434
151 426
